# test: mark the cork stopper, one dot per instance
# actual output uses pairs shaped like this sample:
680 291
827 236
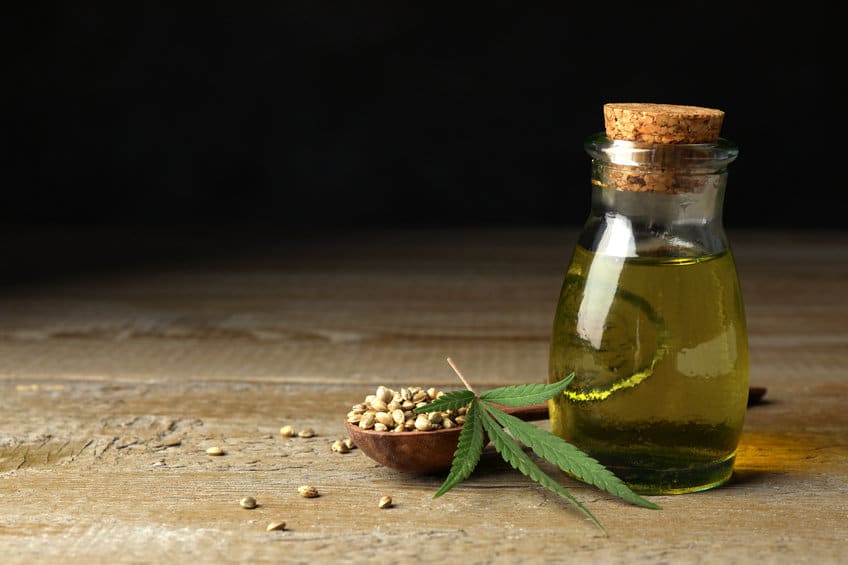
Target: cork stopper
661 140
662 123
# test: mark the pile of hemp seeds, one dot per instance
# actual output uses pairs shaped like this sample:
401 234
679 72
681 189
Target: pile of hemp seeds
389 410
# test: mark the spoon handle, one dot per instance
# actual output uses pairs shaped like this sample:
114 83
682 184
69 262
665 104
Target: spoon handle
528 413
540 411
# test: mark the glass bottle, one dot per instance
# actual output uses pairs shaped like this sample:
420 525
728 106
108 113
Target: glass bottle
650 317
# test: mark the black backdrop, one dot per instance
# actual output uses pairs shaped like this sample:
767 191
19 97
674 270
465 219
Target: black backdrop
372 114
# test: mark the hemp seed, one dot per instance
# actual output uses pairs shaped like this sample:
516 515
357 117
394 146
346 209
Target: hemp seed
306 432
307 491
248 502
422 423
339 446
279 525
214 450
385 502
384 394
367 421
287 431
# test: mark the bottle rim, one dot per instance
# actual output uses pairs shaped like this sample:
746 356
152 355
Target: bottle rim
714 156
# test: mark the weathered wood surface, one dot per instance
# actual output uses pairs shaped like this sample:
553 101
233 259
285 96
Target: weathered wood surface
113 382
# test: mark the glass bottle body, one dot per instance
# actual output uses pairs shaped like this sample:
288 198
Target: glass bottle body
651 322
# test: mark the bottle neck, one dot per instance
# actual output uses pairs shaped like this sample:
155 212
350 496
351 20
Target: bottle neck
657 201
647 224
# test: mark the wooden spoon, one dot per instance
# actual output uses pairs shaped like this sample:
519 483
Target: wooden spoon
432 452
424 452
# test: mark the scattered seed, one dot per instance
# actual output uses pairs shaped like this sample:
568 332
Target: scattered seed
214 450
307 491
349 443
287 431
385 502
306 432
248 502
279 525
339 446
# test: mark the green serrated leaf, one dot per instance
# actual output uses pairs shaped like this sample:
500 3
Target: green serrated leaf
568 457
468 449
515 456
524 395
451 400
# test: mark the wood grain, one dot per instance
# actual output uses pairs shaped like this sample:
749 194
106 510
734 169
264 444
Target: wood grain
114 381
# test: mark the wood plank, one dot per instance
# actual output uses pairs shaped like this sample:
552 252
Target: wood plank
113 383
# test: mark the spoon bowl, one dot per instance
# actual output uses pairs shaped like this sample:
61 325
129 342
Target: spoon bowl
424 452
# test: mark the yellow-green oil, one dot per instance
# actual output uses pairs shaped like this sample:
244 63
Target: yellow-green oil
658 347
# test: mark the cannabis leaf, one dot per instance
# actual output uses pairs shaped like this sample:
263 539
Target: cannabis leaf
567 457
467 452
484 418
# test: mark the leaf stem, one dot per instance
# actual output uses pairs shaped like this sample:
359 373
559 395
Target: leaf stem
459 374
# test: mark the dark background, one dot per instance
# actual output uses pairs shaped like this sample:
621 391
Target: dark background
376 114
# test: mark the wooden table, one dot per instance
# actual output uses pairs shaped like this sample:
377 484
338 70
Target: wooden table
116 377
